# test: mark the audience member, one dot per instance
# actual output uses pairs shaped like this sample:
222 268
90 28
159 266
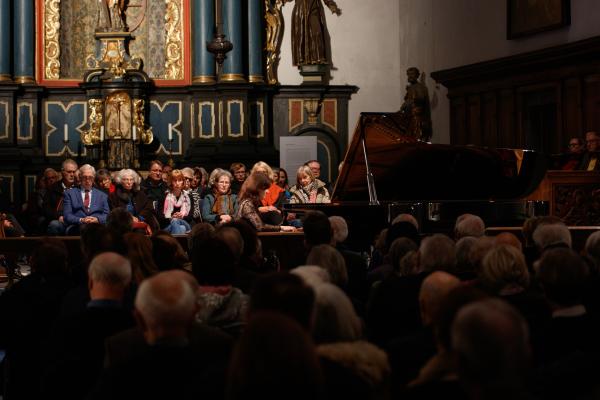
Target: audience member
88 205
165 310
328 258
53 201
238 171
154 186
220 205
437 253
77 343
177 206
128 195
139 253
491 343
308 189
274 358
167 253
468 225
589 161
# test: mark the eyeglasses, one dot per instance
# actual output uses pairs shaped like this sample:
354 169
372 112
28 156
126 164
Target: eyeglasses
87 177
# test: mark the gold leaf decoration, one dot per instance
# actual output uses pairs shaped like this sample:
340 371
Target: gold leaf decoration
51 44
174 52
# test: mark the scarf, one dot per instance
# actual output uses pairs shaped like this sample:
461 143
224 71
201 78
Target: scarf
172 202
219 199
308 193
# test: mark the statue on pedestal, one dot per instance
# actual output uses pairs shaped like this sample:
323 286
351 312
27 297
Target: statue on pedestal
415 112
111 15
309 31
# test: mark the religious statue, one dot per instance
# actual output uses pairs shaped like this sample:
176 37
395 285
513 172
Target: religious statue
309 31
416 111
274 20
111 15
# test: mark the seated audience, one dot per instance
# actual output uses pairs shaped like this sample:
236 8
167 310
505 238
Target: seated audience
238 171
589 161
223 306
282 181
549 236
167 252
468 225
490 339
271 203
165 308
86 205
103 181
315 168
220 205
572 158
308 189
177 205
274 358
128 195
154 186
139 253
77 343
328 258
53 201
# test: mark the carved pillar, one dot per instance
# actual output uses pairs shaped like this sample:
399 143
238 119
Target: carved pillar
204 23
24 41
232 27
5 47
255 74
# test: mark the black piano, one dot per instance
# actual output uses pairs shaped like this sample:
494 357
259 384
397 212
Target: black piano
385 173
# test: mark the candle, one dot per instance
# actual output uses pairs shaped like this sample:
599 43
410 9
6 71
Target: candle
102 133
66 133
218 17
134 133
170 132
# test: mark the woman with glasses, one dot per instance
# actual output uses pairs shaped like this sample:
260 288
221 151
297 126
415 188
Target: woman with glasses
220 205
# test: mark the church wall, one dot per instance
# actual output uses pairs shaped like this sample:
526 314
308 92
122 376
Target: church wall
375 41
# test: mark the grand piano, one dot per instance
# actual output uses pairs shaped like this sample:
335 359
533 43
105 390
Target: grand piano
386 172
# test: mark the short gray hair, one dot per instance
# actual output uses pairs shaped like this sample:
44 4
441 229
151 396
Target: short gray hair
437 253
166 299
335 319
549 235
339 228
469 225
87 167
110 268
405 217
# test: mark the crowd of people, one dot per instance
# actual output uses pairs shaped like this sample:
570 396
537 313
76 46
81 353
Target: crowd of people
461 316
168 199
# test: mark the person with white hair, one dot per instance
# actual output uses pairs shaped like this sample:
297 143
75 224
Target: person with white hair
404 217
76 346
87 205
468 225
165 308
128 195
548 236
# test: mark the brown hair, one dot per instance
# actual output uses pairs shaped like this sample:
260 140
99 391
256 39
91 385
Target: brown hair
252 187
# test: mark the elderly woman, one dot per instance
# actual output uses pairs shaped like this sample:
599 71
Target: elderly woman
252 192
220 205
177 207
308 189
128 195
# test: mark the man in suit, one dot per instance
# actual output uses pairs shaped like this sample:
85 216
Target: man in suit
86 205
53 201
590 161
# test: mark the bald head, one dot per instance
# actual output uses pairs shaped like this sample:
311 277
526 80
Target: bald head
433 291
165 305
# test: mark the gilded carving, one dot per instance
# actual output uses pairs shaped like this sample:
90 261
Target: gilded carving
95 120
274 22
51 42
139 121
174 52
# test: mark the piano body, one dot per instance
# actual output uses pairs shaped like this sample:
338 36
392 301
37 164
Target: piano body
386 172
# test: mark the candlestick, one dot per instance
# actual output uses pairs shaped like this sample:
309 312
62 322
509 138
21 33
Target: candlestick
66 133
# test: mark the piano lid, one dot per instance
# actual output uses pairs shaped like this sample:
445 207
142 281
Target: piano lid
404 169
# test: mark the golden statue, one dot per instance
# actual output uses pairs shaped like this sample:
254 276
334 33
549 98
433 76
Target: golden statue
274 20
111 16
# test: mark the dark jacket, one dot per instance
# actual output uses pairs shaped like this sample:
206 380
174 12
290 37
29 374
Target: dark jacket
142 205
